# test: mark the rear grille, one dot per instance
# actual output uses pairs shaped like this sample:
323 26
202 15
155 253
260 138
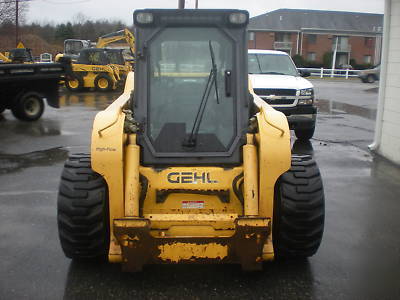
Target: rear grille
276 92
278 101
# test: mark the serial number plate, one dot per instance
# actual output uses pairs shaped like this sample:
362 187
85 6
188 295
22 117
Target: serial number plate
193 204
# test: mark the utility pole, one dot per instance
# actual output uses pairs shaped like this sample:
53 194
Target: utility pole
197 4
181 4
17 11
16 23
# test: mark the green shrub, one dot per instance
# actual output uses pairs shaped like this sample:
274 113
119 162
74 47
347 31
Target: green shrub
327 60
298 61
313 64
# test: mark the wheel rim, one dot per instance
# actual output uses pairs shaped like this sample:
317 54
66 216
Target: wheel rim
32 106
73 83
102 83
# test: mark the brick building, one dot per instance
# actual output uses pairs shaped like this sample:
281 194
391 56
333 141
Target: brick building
312 33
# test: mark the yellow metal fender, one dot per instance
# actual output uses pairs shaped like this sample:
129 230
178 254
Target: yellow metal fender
107 156
274 156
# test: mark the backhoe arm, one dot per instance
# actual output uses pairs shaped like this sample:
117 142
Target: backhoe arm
125 34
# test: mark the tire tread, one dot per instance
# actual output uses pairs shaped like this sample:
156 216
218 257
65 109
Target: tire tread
82 210
299 210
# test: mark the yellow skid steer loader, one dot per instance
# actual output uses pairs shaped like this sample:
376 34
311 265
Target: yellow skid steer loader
188 165
93 69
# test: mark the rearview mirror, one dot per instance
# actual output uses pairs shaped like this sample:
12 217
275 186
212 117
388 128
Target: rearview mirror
304 73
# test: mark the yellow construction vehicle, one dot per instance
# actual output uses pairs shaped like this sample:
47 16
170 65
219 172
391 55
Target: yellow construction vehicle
72 47
19 55
122 35
93 70
118 61
4 58
189 165
109 73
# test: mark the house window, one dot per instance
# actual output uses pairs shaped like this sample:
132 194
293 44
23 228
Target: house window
283 42
368 42
341 44
283 37
312 38
367 59
251 36
311 56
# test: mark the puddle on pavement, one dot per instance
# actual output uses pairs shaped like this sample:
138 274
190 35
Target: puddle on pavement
42 127
339 108
99 101
374 90
12 163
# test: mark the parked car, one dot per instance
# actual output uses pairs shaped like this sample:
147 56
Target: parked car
277 81
370 75
345 67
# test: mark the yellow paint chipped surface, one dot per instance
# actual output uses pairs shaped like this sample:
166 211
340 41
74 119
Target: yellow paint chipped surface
187 251
268 250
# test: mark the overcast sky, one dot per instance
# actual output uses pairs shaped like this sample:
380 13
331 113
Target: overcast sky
66 10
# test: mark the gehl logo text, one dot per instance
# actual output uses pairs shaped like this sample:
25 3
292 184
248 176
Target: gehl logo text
190 177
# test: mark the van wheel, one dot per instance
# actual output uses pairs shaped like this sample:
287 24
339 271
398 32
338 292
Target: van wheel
82 210
103 83
28 106
304 134
299 210
74 83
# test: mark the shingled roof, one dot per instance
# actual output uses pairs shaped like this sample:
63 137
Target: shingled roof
324 20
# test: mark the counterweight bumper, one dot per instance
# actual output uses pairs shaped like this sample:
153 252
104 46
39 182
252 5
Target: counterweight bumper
140 247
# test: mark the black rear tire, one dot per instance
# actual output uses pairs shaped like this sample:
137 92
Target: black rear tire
299 210
82 210
28 106
304 134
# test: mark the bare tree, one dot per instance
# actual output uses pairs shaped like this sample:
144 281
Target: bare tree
79 18
7 12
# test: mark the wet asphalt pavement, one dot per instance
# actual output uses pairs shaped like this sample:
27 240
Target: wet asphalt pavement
359 257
